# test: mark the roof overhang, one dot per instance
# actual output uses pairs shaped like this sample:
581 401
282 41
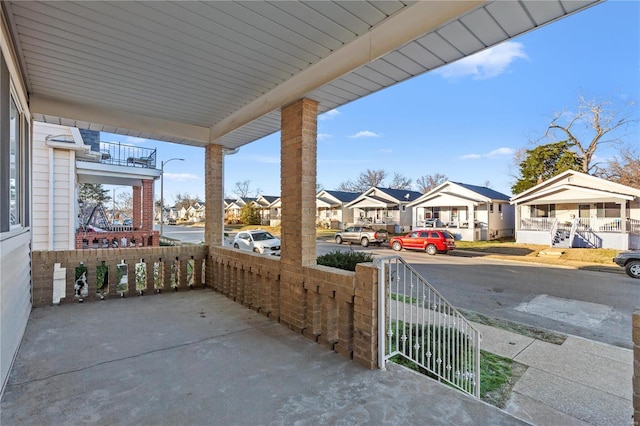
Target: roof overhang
218 72
92 172
570 194
445 199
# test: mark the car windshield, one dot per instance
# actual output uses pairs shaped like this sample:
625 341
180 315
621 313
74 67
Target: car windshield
261 236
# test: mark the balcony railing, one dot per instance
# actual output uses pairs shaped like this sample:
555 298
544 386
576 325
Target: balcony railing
127 155
594 224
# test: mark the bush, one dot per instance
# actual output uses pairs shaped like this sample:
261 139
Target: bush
344 260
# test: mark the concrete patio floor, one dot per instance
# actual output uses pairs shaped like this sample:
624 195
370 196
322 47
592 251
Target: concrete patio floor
199 358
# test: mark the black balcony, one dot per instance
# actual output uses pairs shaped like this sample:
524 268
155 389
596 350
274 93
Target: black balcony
127 155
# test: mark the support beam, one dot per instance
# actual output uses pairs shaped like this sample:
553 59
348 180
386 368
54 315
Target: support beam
298 189
214 195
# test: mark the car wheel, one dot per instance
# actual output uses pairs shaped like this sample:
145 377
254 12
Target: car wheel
338 239
431 249
236 246
633 268
364 242
396 246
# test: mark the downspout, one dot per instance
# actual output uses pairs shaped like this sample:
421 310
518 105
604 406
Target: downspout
51 197
225 152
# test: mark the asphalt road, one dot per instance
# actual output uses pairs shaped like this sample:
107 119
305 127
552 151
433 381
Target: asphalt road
590 304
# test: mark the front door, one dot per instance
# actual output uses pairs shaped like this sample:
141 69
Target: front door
584 210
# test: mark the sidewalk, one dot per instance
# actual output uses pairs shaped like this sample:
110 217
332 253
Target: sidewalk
580 382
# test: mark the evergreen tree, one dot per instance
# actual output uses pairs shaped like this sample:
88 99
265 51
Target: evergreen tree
93 193
249 214
544 162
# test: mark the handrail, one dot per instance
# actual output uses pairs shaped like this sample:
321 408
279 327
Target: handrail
417 323
554 228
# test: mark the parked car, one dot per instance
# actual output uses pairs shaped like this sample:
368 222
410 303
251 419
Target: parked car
364 235
128 222
171 221
630 261
258 241
431 241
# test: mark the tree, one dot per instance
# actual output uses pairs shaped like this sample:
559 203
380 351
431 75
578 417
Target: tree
243 189
594 125
366 180
427 182
185 200
624 169
93 193
544 162
250 215
400 182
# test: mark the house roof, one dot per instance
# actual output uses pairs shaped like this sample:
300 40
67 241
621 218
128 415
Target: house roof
573 186
402 195
218 72
484 191
343 196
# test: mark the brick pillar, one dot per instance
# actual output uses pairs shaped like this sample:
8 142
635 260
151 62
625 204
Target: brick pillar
137 207
214 195
636 366
365 316
298 194
147 205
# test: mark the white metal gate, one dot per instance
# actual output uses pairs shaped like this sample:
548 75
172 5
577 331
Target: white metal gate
416 323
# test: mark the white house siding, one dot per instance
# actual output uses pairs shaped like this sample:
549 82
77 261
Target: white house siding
15 297
53 227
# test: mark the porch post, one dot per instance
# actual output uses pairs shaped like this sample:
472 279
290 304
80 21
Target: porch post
147 205
623 217
214 198
137 209
298 195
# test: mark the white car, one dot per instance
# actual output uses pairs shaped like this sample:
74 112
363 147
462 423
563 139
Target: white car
258 241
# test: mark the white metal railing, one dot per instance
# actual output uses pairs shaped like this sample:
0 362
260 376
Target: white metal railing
601 224
553 230
417 324
633 226
536 223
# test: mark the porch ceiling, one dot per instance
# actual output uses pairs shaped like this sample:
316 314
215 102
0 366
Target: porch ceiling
202 72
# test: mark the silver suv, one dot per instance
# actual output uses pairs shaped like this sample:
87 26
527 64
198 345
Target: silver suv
630 261
258 241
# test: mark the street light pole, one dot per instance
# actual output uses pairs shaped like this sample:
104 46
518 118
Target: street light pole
162 163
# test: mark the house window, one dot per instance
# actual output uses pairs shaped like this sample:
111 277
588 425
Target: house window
13 158
432 212
14 165
608 210
543 210
491 208
500 208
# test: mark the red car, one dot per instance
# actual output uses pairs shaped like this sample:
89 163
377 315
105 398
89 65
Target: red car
431 241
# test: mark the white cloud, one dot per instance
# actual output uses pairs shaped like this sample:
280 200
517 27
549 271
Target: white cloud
181 177
500 152
134 140
486 64
470 157
365 134
323 136
386 151
332 113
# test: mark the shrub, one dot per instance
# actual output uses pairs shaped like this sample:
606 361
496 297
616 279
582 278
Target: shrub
344 260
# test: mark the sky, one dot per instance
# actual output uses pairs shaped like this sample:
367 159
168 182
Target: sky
465 120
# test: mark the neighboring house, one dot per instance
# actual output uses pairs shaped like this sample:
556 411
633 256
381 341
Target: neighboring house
331 208
67 157
264 203
470 212
275 210
385 207
574 209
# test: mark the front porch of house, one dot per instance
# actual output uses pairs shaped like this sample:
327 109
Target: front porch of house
197 357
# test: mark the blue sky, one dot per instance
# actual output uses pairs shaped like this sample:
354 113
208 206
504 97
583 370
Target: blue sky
465 120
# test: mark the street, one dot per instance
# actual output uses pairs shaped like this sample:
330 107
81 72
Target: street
593 305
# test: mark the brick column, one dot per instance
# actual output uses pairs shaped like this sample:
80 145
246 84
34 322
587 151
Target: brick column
298 194
147 205
214 195
137 207
636 366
